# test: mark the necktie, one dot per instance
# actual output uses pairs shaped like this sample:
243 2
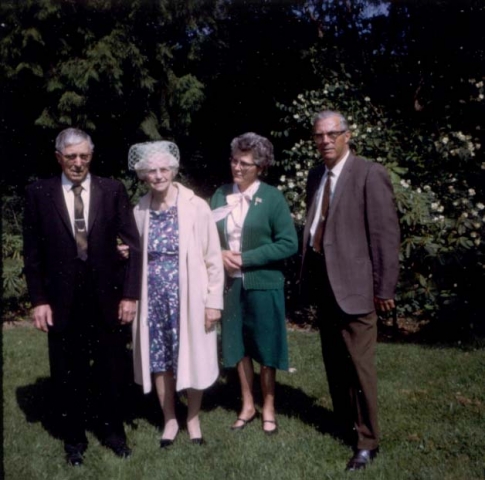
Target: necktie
81 234
318 237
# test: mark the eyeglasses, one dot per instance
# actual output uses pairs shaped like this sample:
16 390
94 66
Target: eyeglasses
163 171
242 165
71 157
319 137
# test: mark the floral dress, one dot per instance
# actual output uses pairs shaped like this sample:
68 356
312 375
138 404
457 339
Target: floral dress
163 290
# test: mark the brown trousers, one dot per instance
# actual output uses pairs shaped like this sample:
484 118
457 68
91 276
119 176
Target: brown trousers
348 350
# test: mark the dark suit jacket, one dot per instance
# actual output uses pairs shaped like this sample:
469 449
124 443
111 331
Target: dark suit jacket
362 239
50 251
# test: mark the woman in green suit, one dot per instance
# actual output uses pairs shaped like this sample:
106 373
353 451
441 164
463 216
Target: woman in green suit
257 233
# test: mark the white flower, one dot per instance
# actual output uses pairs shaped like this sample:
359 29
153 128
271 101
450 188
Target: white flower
296 116
471 192
474 234
368 130
477 242
480 206
291 184
445 140
461 136
440 208
451 188
404 183
479 84
477 225
426 188
297 166
418 190
481 97
367 99
282 178
434 206
464 215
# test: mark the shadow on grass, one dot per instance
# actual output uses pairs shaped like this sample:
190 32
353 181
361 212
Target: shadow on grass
290 402
35 401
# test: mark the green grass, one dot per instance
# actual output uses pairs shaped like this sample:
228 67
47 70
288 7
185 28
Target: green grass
432 413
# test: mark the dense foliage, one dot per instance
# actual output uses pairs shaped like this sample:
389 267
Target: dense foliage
203 72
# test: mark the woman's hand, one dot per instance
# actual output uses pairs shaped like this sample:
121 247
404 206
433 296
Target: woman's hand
232 261
212 316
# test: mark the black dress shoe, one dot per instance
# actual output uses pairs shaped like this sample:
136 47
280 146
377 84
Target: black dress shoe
198 441
74 454
118 447
165 443
361 459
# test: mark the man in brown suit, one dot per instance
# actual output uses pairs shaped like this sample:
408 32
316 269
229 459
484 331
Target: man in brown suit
350 270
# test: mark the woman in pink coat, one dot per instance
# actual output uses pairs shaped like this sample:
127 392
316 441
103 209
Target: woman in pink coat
174 339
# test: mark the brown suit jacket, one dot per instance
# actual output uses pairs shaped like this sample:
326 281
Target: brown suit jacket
362 238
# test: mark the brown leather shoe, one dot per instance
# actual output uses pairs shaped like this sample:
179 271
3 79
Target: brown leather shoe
361 459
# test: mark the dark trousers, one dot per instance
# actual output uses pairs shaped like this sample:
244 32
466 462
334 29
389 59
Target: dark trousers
348 350
88 353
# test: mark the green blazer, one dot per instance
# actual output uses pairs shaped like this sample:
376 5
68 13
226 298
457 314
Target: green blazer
268 236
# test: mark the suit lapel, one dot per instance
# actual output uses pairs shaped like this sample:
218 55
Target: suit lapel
57 197
340 187
312 194
94 201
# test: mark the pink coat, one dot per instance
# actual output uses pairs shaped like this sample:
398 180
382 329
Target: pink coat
201 283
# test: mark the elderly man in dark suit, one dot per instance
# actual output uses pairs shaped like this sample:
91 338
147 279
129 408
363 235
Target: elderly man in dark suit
350 270
82 294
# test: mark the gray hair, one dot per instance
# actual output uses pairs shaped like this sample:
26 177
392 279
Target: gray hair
141 156
72 136
260 147
331 113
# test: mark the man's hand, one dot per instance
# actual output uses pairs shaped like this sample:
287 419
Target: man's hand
42 317
384 304
123 251
232 261
212 316
127 311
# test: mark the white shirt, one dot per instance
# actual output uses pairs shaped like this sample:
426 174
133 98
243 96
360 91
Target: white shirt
235 219
69 197
336 171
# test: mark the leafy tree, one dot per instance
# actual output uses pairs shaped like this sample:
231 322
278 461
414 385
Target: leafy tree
120 69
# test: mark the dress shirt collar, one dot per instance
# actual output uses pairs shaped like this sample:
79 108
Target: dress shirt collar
67 184
249 192
338 167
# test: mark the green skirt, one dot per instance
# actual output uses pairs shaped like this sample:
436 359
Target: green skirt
253 325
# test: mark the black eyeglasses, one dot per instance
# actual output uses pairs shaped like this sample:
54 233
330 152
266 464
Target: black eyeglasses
319 137
85 157
242 165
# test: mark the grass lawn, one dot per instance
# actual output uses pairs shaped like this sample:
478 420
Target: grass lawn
432 414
